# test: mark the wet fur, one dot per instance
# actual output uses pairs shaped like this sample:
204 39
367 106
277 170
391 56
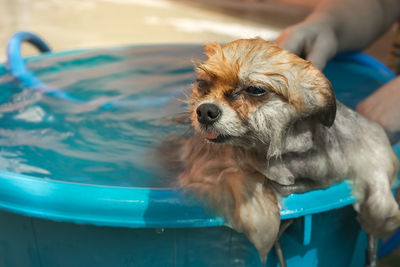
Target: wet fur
233 189
295 139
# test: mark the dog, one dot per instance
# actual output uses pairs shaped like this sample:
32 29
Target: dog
267 124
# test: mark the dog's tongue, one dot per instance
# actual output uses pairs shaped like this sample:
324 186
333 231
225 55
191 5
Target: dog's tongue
210 135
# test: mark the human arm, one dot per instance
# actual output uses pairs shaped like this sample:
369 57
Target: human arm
383 106
339 26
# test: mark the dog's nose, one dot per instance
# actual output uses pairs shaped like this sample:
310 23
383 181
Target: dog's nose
208 113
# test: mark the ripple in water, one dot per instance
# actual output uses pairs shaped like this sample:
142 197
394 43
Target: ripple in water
128 97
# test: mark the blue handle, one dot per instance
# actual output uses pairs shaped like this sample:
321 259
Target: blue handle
18 69
15 60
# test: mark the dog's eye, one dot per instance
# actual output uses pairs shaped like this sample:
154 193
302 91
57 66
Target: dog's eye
202 85
231 96
256 90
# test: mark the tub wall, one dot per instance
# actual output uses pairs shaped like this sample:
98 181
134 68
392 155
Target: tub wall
35 242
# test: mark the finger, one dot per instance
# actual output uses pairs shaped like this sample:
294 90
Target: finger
364 107
291 41
280 40
371 110
323 49
360 108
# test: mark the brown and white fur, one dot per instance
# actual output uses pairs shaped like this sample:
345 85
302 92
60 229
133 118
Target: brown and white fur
268 124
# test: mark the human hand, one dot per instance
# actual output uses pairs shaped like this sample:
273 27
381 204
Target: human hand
314 40
383 106
339 26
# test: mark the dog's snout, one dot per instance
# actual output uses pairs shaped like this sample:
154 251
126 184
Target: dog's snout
208 113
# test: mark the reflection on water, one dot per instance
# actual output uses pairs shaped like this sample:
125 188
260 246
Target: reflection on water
123 100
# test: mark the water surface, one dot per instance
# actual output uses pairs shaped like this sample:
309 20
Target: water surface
121 108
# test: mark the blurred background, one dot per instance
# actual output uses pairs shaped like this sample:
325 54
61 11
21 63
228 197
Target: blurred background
77 24
74 24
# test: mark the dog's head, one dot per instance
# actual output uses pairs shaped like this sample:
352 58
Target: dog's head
249 92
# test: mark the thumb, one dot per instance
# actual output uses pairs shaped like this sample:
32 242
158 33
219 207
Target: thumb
324 48
291 41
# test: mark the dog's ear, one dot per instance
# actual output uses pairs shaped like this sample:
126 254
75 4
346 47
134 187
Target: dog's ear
318 96
212 49
328 111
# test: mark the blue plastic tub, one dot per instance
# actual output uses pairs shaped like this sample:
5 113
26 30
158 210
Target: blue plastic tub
78 186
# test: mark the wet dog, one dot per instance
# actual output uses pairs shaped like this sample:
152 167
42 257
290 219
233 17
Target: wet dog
267 124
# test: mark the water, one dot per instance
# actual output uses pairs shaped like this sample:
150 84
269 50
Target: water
52 138
90 141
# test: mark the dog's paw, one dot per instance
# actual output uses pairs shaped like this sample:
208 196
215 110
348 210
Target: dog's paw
283 190
280 174
379 215
380 228
300 186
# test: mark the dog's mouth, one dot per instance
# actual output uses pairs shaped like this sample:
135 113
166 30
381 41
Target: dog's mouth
215 138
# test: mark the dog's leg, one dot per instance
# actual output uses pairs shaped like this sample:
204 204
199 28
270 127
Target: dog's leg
372 252
255 209
249 205
279 253
278 247
378 211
